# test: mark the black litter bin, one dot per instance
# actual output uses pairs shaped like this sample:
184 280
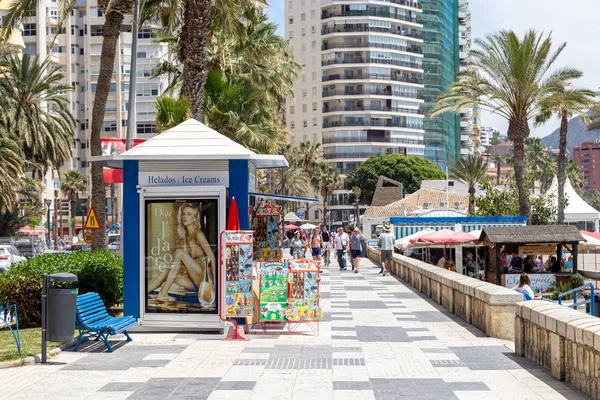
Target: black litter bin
61 307
596 304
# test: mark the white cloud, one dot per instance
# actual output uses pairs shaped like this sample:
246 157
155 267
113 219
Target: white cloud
574 22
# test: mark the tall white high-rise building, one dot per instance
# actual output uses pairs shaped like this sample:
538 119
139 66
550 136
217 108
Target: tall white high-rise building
76 52
469 116
357 93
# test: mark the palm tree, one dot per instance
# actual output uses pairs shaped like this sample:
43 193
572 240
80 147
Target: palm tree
508 76
471 171
72 183
309 155
565 102
498 160
292 181
11 169
326 179
114 13
576 176
39 109
170 111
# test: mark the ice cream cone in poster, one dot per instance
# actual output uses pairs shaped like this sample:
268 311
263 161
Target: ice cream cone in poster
181 239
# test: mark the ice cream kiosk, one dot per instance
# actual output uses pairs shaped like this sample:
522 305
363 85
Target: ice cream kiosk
176 188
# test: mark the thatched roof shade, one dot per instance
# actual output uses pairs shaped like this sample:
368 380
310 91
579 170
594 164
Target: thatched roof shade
532 234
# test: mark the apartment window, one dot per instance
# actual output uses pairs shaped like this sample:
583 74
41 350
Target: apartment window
304 62
124 123
292 110
314 121
125 87
145 33
313 45
109 126
144 71
112 89
303 77
82 127
72 49
95 49
292 125
303 17
29 30
291 20
126 49
313 14
314 106
145 109
291 4
313 61
125 106
125 68
147 89
146 128
314 91
314 76
30 48
84 164
141 54
303 47
53 12
291 35
313 29
304 108
303 31
110 106
97 31
304 93
59 49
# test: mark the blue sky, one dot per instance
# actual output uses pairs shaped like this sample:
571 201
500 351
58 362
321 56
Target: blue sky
576 25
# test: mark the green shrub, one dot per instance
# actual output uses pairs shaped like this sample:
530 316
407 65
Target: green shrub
577 280
563 287
100 272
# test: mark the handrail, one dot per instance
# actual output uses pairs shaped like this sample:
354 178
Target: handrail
576 304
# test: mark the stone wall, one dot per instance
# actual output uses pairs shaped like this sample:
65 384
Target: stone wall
489 307
564 341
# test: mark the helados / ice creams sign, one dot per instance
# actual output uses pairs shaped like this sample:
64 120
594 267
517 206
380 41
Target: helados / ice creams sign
184 178
539 282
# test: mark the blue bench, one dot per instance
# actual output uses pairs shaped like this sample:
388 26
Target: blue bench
94 322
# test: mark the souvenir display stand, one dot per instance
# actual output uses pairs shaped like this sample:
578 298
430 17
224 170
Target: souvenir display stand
304 301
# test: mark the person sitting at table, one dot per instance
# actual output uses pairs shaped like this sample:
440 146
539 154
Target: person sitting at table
528 265
554 264
524 287
569 264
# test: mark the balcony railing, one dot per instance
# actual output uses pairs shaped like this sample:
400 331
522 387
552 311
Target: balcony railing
368 60
361 154
400 78
350 28
375 123
407 3
409 49
369 13
380 92
371 140
329 109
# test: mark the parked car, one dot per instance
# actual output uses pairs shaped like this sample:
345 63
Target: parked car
8 256
78 247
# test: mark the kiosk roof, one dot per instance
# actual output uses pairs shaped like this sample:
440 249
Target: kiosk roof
192 140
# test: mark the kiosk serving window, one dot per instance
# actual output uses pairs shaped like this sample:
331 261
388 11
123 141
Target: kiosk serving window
181 247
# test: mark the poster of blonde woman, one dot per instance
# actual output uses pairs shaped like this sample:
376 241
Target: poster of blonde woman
181 267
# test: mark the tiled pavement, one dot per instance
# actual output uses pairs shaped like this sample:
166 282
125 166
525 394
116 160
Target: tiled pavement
378 340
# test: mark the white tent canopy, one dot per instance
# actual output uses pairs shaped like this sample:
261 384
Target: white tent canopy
405 241
577 209
292 217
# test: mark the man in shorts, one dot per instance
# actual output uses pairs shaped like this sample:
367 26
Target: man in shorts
316 245
386 243
356 248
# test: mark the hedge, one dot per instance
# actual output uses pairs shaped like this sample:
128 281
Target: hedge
100 271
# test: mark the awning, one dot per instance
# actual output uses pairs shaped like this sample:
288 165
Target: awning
284 198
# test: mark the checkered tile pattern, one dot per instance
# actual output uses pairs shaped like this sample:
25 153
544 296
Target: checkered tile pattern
378 340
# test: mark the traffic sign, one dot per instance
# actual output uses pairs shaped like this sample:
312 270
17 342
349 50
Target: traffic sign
92 220
87 238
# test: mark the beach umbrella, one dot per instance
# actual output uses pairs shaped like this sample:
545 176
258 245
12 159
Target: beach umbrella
308 226
291 227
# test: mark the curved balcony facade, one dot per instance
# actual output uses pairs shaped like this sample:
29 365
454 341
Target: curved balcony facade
372 72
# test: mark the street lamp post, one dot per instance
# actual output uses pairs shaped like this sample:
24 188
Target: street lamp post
48 203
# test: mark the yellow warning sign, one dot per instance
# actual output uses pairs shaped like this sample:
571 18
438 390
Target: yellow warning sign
92 220
87 238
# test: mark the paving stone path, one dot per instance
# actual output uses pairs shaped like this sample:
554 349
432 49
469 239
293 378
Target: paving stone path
378 340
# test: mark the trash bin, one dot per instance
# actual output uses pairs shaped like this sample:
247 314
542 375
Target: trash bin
61 307
596 303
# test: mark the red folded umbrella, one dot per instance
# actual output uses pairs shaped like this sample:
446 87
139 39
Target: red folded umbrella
233 219
290 227
445 236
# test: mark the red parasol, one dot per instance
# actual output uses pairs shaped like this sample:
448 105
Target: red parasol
291 227
445 236
233 219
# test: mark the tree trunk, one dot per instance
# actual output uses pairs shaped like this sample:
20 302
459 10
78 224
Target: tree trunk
194 40
71 229
498 164
562 166
112 27
518 131
471 200
55 225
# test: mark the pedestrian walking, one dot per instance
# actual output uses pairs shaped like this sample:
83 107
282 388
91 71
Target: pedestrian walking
356 248
298 246
327 245
386 243
341 242
316 245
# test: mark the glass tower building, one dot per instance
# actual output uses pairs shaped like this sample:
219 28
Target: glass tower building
440 64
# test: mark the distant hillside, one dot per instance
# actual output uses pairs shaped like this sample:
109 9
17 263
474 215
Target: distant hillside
577 134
